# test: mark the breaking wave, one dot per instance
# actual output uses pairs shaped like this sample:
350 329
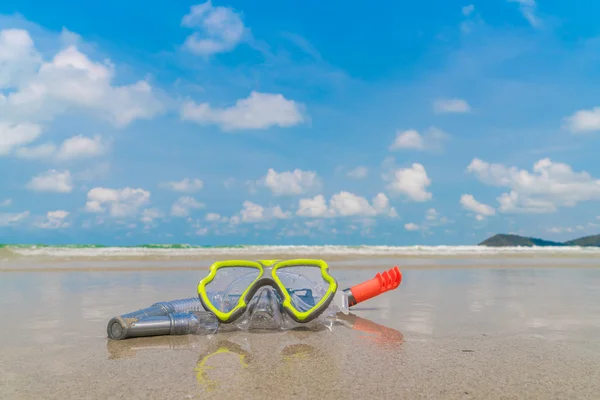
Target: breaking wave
203 252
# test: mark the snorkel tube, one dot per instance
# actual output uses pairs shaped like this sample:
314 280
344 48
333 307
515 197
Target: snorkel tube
382 283
177 317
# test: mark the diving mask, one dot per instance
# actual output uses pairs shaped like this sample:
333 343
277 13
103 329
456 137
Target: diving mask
303 287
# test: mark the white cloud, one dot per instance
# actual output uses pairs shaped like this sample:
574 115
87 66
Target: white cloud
258 111
40 90
345 204
431 214
433 219
467 10
81 147
73 148
213 217
451 106
120 202
183 206
411 226
52 181
549 186
482 210
359 172
252 212
220 29
18 57
14 135
11 219
5 203
150 214
186 185
432 140
584 121
290 183
411 182
410 139
557 230
54 220
314 207
528 8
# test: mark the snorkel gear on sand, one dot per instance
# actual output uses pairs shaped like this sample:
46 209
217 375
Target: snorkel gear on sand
244 294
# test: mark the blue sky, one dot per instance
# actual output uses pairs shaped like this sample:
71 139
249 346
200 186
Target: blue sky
275 123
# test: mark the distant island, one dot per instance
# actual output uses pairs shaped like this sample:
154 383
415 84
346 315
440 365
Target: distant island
503 240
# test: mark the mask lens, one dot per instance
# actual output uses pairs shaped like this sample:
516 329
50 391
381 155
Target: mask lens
305 285
226 289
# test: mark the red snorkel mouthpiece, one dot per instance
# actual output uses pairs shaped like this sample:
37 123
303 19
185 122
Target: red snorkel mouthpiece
383 282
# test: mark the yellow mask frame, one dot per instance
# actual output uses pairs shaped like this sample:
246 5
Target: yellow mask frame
268 277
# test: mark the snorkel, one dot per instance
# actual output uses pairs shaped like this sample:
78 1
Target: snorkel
277 298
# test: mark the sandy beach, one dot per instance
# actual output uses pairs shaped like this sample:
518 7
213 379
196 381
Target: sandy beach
510 329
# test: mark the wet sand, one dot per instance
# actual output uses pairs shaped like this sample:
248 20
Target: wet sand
470 330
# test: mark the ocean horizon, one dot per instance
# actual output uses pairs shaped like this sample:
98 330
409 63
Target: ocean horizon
91 251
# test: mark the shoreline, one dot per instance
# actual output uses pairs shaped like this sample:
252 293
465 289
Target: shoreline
378 264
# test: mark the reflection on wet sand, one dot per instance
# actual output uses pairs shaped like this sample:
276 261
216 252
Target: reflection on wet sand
243 356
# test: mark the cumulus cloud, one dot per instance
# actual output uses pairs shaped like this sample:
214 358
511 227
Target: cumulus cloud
345 204
431 214
5 203
556 230
183 206
186 185
52 181
411 226
119 202
76 147
451 106
289 183
54 220
584 121
481 210
218 29
40 90
81 147
359 172
431 140
252 212
18 57
13 136
411 182
258 111
12 219
212 217
549 186
150 214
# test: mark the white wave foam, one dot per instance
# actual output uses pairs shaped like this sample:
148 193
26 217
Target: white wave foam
301 251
